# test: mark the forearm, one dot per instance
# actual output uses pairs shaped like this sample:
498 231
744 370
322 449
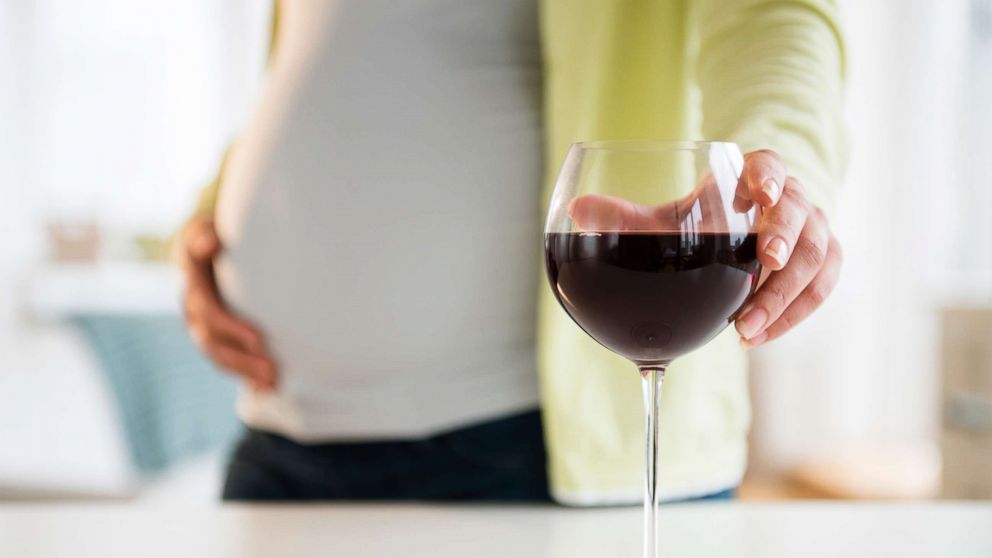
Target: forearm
771 76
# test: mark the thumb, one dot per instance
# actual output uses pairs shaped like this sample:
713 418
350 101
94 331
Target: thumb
202 241
595 212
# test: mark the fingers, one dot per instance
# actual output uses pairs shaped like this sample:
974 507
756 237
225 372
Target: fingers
202 304
595 212
200 240
794 242
809 300
231 342
781 225
199 247
763 179
204 309
783 287
258 370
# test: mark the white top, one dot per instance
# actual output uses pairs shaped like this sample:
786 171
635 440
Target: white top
807 530
381 217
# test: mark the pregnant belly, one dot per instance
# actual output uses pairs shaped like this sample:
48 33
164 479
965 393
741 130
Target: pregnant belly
339 302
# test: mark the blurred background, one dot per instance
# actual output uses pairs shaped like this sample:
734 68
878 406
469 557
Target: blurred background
114 114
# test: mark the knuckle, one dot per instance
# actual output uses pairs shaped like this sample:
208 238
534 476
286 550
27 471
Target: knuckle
774 299
794 193
812 250
795 183
783 220
818 292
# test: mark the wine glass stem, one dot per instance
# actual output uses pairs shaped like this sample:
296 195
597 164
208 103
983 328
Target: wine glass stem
651 380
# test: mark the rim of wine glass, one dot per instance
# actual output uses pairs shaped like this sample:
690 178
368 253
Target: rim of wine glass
649 145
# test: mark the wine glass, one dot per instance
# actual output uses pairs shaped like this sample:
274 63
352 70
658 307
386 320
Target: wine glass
651 249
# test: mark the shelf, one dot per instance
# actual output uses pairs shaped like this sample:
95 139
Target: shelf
57 291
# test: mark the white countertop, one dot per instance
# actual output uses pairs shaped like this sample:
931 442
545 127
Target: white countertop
738 530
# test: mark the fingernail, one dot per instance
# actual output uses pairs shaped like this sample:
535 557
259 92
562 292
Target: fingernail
756 341
770 188
778 251
751 322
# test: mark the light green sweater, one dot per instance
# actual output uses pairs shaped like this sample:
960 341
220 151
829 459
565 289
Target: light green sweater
763 73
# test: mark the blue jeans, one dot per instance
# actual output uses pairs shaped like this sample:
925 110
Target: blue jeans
498 461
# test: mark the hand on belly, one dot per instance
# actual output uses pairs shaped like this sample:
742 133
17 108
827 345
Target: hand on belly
230 341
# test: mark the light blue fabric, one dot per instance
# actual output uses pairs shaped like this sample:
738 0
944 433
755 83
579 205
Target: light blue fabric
173 403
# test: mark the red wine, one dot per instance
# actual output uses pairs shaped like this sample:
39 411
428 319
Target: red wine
652 296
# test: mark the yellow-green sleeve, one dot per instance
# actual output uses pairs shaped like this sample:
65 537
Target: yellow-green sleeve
771 75
207 200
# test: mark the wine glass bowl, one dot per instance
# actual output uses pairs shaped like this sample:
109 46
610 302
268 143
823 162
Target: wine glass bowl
650 247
